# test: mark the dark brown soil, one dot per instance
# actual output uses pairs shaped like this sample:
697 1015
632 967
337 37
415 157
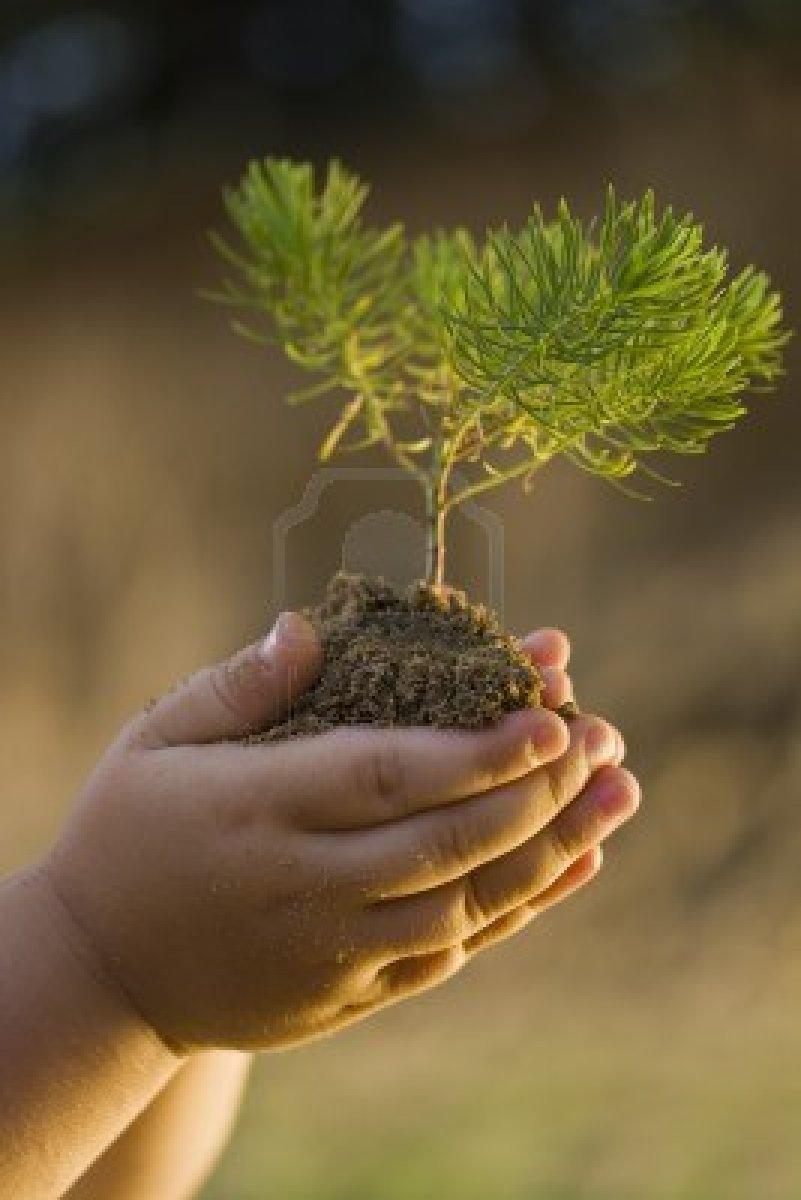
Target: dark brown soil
409 656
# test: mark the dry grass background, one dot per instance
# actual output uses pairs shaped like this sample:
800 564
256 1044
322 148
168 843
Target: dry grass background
643 1042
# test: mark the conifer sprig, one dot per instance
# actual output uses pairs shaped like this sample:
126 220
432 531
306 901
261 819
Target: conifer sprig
617 341
604 343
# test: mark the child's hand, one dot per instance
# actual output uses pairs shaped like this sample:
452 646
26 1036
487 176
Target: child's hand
258 895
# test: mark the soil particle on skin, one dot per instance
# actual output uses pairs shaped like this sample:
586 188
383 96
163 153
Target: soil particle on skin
409 656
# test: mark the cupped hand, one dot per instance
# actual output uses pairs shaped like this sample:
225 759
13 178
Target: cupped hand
258 895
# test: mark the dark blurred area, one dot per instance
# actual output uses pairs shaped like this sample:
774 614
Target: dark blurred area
89 91
642 1043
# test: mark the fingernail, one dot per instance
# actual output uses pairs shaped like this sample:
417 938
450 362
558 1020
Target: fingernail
552 643
289 628
601 744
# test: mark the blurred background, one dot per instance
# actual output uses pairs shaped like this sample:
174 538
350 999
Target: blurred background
644 1041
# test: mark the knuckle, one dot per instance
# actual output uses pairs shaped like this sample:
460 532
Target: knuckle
567 837
474 915
237 684
499 930
565 778
450 845
448 920
380 776
448 917
553 783
222 682
498 764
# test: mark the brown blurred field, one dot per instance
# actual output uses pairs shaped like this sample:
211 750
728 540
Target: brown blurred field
645 1041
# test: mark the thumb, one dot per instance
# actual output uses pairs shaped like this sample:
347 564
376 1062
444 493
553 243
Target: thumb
246 693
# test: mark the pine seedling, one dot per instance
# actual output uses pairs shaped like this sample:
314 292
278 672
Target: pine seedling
604 343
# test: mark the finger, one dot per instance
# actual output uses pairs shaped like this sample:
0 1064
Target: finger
577 875
408 977
547 647
431 848
247 693
398 980
558 687
611 797
357 778
441 917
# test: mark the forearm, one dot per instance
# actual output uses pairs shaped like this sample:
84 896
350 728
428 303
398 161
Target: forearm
172 1146
77 1064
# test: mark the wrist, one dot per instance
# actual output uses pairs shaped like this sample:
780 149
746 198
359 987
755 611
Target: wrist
77 1062
45 900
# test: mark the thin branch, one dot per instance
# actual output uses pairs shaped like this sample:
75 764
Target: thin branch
493 481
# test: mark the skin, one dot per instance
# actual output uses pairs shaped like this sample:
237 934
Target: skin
172 1146
208 898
